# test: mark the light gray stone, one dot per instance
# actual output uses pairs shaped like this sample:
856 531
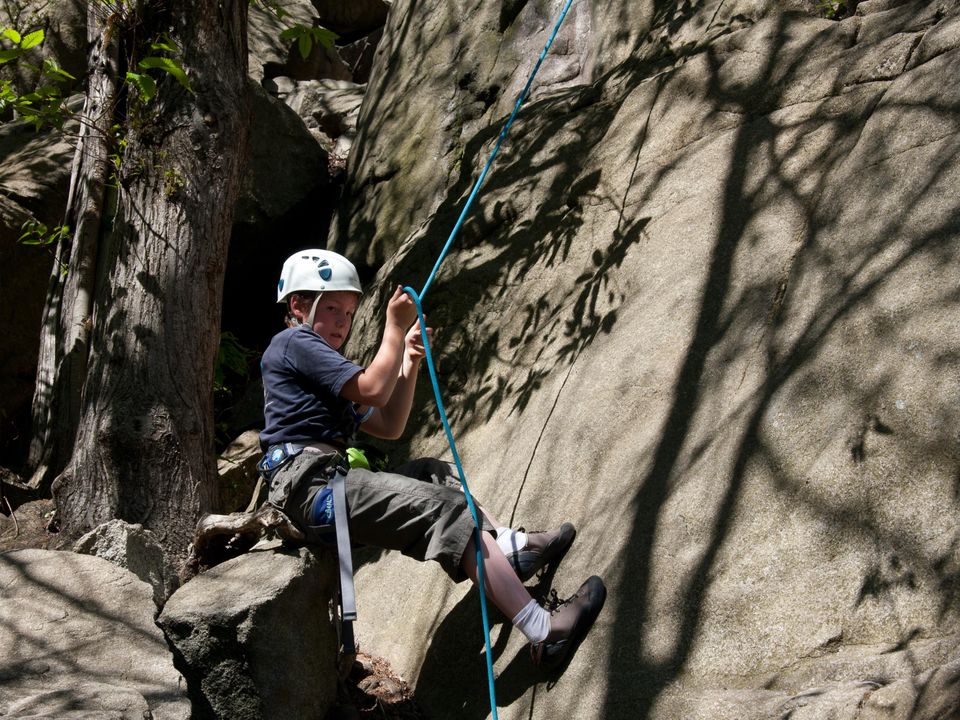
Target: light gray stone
255 635
331 108
79 641
134 548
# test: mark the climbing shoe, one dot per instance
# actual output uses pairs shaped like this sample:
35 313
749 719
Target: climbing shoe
542 548
570 621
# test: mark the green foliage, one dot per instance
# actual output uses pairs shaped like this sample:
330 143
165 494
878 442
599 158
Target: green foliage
231 375
165 58
145 85
307 38
43 106
233 359
173 182
833 9
37 233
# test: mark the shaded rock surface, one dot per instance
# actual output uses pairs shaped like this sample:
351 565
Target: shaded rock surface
706 309
79 641
255 636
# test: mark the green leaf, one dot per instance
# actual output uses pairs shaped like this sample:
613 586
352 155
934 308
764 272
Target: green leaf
164 44
32 40
8 55
168 66
324 37
52 69
146 85
305 45
292 33
11 35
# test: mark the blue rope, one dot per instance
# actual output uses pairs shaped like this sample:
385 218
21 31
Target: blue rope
418 300
481 575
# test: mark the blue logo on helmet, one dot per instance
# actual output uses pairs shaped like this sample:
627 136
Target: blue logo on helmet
326 272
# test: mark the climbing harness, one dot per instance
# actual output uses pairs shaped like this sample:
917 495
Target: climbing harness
336 521
418 301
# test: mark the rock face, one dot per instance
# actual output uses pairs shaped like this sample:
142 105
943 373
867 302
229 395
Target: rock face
255 636
80 642
705 308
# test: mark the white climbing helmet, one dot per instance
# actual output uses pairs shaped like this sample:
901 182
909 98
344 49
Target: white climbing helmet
317 271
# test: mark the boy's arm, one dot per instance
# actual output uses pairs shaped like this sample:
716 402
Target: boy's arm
374 385
389 421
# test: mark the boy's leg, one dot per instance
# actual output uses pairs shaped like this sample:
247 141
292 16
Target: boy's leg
555 635
431 522
502 584
527 552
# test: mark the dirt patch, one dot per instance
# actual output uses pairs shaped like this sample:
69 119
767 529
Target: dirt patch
373 691
26 527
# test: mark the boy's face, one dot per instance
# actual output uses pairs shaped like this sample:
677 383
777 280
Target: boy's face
334 316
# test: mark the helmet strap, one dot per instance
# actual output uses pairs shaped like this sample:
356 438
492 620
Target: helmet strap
313 310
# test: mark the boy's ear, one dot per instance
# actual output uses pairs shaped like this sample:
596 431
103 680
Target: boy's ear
295 306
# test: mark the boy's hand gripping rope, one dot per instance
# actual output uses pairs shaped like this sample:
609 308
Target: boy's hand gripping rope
418 300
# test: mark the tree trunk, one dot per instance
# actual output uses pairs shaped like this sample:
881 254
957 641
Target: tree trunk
64 346
144 447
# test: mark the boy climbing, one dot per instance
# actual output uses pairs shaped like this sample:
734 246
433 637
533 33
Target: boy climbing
315 402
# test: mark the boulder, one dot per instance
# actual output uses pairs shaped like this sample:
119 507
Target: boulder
286 163
358 55
268 53
329 109
255 637
468 64
136 549
286 199
358 25
80 642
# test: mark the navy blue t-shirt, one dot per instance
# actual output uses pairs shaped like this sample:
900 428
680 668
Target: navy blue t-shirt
302 379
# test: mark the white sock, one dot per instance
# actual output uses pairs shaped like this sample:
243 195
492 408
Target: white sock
511 541
533 621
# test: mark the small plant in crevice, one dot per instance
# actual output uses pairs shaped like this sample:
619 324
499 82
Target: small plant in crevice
230 376
836 9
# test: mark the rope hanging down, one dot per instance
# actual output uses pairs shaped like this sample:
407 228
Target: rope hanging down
418 300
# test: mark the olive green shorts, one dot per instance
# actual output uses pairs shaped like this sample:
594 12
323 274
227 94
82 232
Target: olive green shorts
419 510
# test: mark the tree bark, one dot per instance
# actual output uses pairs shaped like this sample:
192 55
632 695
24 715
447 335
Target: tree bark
64 346
144 447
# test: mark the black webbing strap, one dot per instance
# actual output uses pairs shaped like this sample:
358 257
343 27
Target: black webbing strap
348 598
